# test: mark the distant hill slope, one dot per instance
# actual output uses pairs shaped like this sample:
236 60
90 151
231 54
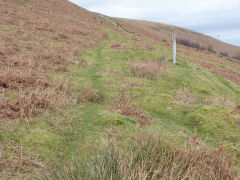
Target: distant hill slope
159 32
57 19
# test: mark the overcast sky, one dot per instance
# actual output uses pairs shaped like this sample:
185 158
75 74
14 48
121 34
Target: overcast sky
217 18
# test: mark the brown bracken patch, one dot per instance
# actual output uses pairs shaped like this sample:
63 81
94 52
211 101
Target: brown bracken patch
146 47
38 43
227 73
124 104
237 108
135 112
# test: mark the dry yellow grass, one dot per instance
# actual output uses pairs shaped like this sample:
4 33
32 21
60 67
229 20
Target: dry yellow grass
185 96
88 94
152 158
221 101
150 69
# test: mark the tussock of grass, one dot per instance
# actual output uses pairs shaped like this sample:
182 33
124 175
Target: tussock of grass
149 69
185 96
88 94
152 157
220 101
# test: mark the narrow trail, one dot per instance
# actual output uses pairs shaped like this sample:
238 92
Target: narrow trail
94 77
109 20
114 23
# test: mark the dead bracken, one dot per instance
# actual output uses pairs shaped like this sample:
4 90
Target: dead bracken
124 104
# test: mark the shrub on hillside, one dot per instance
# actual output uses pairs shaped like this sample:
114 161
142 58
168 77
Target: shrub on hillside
237 57
210 49
188 43
224 54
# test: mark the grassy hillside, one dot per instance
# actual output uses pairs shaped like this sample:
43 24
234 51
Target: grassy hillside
81 99
160 32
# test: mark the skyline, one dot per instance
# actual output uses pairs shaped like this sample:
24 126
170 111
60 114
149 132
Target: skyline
216 18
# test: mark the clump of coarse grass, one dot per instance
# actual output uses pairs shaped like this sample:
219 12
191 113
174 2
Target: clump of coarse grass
88 94
185 96
152 157
150 69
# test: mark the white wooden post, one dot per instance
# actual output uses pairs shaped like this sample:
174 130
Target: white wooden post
174 48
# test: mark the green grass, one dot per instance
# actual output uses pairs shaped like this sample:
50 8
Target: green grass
76 131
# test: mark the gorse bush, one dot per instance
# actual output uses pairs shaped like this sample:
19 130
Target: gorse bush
151 157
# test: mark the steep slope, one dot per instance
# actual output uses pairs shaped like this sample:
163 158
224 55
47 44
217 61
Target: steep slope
37 37
72 82
49 17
